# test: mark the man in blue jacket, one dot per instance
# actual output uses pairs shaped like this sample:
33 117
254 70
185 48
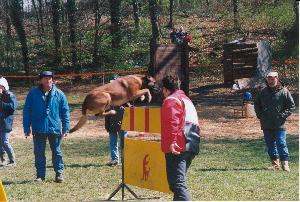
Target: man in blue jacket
46 113
8 105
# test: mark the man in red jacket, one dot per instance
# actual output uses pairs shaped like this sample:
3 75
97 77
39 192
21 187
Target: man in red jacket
178 113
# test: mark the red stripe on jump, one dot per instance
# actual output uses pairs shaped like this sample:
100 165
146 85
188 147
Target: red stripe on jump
131 119
147 120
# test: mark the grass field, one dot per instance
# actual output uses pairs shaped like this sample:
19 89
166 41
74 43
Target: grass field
230 165
226 169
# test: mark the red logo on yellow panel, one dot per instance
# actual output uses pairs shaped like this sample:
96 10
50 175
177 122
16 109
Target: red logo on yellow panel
146 167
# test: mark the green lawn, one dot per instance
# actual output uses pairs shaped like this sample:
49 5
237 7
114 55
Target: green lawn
226 169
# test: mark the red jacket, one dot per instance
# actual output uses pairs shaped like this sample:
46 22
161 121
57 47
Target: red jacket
173 120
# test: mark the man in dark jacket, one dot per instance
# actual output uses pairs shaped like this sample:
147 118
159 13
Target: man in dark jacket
46 115
8 105
272 106
113 127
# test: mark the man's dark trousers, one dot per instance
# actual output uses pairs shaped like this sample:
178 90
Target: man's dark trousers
39 141
177 166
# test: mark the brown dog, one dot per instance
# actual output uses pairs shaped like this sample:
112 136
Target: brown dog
116 93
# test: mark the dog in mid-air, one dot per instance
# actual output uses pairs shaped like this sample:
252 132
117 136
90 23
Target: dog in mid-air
116 93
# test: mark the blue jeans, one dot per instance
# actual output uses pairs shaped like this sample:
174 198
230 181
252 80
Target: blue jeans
177 166
39 141
113 144
2 151
5 146
276 144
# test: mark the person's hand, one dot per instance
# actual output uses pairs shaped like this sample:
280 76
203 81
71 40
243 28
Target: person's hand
174 148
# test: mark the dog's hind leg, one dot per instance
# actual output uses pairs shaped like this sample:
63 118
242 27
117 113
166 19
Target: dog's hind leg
105 103
124 83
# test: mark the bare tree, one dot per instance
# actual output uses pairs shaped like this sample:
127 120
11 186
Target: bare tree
37 18
115 6
8 34
207 7
41 15
71 11
96 35
155 32
171 8
136 14
56 30
154 21
292 34
235 13
16 15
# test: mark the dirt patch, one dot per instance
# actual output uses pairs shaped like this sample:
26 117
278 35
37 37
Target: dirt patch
214 103
93 128
216 122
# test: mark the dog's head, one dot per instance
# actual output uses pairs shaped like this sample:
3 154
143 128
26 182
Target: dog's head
155 90
148 82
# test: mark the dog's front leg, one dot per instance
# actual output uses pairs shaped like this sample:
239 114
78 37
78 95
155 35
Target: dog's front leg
142 98
142 92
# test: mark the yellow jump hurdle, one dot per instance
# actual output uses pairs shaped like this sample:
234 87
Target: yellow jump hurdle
144 162
2 193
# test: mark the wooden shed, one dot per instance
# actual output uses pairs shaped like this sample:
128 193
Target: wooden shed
239 61
170 59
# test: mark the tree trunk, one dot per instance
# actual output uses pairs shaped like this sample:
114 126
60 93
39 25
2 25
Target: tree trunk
171 8
207 7
37 17
115 23
56 30
63 13
41 15
160 2
71 11
153 18
96 58
8 40
292 35
155 33
235 13
296 22
16 15
136 14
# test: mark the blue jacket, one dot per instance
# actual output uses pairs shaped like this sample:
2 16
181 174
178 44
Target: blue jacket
46 114
8 105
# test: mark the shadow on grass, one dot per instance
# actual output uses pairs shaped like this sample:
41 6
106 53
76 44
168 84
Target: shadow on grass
134 199
76 165
17 182
145 198
238 150
86 147
231 169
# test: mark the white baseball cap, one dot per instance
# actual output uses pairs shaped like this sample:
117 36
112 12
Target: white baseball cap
272 74
4 83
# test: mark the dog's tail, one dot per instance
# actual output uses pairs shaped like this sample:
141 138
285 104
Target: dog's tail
82 119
